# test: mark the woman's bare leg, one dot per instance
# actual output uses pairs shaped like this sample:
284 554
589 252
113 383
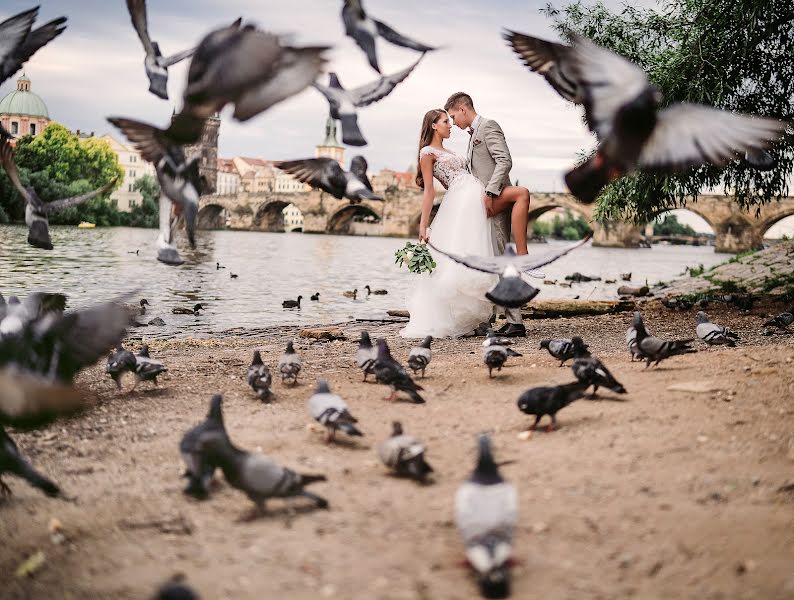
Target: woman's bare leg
519 216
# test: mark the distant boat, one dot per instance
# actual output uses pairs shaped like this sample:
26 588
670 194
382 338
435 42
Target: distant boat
86 225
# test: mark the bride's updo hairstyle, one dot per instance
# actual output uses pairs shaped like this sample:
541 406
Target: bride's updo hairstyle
425 137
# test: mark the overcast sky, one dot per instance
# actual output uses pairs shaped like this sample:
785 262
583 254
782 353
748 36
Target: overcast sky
95 69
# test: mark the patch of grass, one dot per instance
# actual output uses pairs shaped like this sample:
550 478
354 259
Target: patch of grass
736 258
727 287
776 281
695 271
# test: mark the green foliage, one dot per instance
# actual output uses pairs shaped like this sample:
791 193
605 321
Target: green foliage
146 214
568 227
695 271
737 55
669 225
417 256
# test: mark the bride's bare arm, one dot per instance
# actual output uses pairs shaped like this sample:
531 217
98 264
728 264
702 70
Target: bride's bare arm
426 164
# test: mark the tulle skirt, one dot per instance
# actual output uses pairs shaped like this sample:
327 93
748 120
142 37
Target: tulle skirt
451 300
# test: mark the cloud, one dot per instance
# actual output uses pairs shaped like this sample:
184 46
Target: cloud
95 69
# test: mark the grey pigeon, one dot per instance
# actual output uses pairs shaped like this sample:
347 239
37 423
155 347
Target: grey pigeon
198 469
404 454
258 476
654 350
631 343
389 372
781 321
18 41
486 513
147 369
344 103
624 111
714 334
37 211
588 369
366 355
289 365
120 361
330 411
246 67
495 351
563 349
259 377
326 174
548 400
155 63
419 356
12 461
365 30
511 291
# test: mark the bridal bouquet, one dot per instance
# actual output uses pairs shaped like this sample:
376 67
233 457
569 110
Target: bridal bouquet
417 256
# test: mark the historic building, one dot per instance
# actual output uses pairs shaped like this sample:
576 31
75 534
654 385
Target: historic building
228 178
206 149
330 148
22 112
293 218
125 197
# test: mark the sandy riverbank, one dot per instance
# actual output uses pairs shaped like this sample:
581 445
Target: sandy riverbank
663 494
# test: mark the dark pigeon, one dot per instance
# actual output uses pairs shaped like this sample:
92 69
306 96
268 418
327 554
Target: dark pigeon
588 369
564 349
147 369
389 372
366 355
259 377
11 461
781 321
654 350
326 174
198 469
18 41
120 361
548 400
289 365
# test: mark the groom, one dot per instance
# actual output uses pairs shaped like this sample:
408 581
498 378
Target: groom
488 159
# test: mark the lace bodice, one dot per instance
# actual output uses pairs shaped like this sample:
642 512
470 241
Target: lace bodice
448 165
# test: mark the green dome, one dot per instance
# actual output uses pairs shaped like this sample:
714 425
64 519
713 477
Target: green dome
23 102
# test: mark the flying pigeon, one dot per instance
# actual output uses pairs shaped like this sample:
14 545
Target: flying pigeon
404 455
11 461
343 103
326 174
365 30
119 362
563 349
510 291
714 334
366 355
259 377
486 513
18 42
155 63
37 211
624 111
419 356
330 410
245 67
198 469
547 400
29 401
389 372
782 321
289 365
588 369
654 350
147 369
258 476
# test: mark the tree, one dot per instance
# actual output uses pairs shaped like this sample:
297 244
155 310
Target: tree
147 213
733 54
669 225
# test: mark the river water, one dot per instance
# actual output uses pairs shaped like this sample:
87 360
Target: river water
90 265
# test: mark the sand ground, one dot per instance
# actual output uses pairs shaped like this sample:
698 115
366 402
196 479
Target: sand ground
658 494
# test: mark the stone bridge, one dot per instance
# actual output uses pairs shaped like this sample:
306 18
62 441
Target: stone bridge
398 215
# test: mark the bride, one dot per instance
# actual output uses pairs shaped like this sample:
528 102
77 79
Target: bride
450 301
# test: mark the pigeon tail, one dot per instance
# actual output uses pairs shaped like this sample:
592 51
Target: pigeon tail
588 179
417 399
307 479
495 583
350 429
39 235
351 134
38 480
418 468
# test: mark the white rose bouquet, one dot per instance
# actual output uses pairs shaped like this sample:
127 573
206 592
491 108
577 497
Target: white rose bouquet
417 256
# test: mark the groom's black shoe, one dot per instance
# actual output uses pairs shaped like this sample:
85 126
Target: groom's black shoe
513 330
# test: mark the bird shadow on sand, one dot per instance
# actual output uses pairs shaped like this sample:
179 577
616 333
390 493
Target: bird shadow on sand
148 393
286 510
344 442
610 398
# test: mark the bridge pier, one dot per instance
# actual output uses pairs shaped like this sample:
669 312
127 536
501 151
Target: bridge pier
616 234
736 235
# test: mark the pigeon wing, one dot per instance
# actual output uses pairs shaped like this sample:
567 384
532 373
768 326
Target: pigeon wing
398 39
137 10
59 205
147 139
10 166
178 57
367 94
550 59
688 135
13 32
38 38
323 173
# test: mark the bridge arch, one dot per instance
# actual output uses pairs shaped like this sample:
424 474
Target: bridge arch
770 222
413 225
269 216
340 221
212 216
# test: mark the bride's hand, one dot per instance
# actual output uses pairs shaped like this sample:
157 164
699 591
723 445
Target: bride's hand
424 234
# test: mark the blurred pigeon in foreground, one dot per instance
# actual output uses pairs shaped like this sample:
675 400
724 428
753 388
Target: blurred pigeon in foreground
654 350
15 315
29 401
366 355
198 469
155 63
147 369
588 369
19 42
486 512
37 211
389 372
564 349
419 356
511 291
623 109
176 589
119 362
257 475
548 400
343 103
259 377
330 410
760 159
365 30
714 334
11 461
289 365
326 174
782 321
404 454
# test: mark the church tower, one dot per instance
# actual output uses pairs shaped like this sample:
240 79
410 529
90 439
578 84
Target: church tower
207 151
331 148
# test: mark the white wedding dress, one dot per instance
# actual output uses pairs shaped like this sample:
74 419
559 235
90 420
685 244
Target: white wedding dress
451 300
